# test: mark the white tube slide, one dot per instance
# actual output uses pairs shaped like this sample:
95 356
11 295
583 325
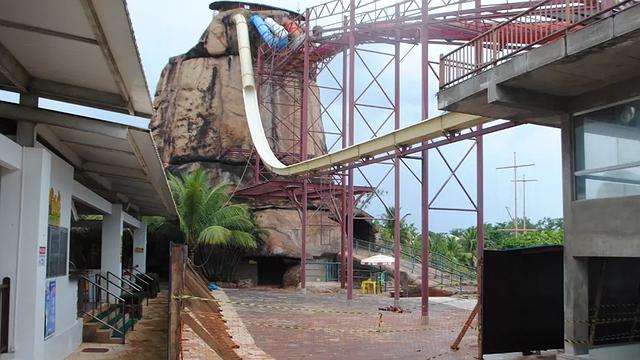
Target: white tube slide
412 134
278 30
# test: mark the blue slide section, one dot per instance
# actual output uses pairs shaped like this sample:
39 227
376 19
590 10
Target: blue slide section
266 34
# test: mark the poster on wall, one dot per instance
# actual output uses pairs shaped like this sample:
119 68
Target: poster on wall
55 206
50 309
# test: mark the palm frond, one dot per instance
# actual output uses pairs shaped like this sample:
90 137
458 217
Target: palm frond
243 240
215 235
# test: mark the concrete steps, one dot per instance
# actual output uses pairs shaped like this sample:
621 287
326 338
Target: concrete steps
99 332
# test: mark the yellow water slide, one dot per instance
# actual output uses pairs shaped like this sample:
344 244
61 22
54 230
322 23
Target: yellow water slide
421 131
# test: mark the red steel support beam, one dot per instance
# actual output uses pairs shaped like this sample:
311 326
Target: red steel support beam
480 231
352 59
396 165
480 209
304 134
424 44
343 195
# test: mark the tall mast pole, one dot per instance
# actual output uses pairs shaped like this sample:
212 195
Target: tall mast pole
515 180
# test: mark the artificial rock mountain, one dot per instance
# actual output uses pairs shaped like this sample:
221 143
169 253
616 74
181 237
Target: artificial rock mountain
199 122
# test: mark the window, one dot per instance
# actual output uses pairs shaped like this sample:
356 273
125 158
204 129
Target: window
57 251
607 152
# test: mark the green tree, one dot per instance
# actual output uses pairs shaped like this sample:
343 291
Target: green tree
208 216
409 234
533 238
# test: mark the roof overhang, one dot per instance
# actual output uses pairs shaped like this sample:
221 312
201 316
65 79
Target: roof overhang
116 161
78 51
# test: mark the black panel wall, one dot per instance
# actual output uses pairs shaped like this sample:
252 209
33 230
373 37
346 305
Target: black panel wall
523 300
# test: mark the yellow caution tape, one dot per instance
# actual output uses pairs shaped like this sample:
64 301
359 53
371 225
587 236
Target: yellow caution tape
277 307
330 330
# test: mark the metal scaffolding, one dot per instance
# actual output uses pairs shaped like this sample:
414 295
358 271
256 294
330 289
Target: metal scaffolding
339 35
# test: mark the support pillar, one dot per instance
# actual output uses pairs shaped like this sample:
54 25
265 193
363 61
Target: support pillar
480 231
350 204
32 247
111 254
343 178
140 248
396 175
304 138
576 305
424 185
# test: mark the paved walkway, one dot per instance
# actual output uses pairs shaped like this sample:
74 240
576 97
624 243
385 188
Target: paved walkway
147 342
194 348
288 324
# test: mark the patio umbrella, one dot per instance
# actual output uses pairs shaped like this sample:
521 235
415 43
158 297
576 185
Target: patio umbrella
379 260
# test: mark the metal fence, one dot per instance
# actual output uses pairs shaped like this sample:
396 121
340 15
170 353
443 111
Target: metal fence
437 261
545 22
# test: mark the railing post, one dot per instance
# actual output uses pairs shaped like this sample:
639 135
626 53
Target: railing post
441 71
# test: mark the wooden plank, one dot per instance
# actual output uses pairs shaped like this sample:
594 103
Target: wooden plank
216 343
467 325
178 255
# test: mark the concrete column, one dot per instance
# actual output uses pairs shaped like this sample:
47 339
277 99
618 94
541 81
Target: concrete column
576 275
576 305
26 133
31 276
111 255
140 248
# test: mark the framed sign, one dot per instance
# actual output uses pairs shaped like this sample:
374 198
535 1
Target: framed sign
50 309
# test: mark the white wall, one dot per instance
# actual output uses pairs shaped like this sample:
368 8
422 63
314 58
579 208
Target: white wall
10 188
30 282
24 206
68 332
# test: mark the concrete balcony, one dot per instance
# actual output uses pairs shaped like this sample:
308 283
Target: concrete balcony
595 66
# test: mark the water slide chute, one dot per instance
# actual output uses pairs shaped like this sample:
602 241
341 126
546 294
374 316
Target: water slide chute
278 30
421 131
267 36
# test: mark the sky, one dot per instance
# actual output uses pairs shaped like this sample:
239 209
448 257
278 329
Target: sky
167 28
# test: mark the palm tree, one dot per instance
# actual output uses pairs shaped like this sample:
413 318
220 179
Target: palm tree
207 215
468 243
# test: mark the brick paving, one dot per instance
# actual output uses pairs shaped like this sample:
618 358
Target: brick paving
286 333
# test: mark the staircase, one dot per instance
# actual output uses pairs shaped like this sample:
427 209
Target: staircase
108 326
444 272
111 305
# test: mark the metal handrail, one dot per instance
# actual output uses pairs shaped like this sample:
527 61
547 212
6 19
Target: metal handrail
453 263
437 260
134 286
560 13
132 297
109 281
135 270
123 332
122 279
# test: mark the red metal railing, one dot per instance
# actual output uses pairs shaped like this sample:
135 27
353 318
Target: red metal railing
5 288
536 26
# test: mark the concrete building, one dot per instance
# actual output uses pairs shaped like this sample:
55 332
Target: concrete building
587 83
56 166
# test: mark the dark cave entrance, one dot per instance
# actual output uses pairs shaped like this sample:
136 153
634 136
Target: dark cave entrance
271 269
